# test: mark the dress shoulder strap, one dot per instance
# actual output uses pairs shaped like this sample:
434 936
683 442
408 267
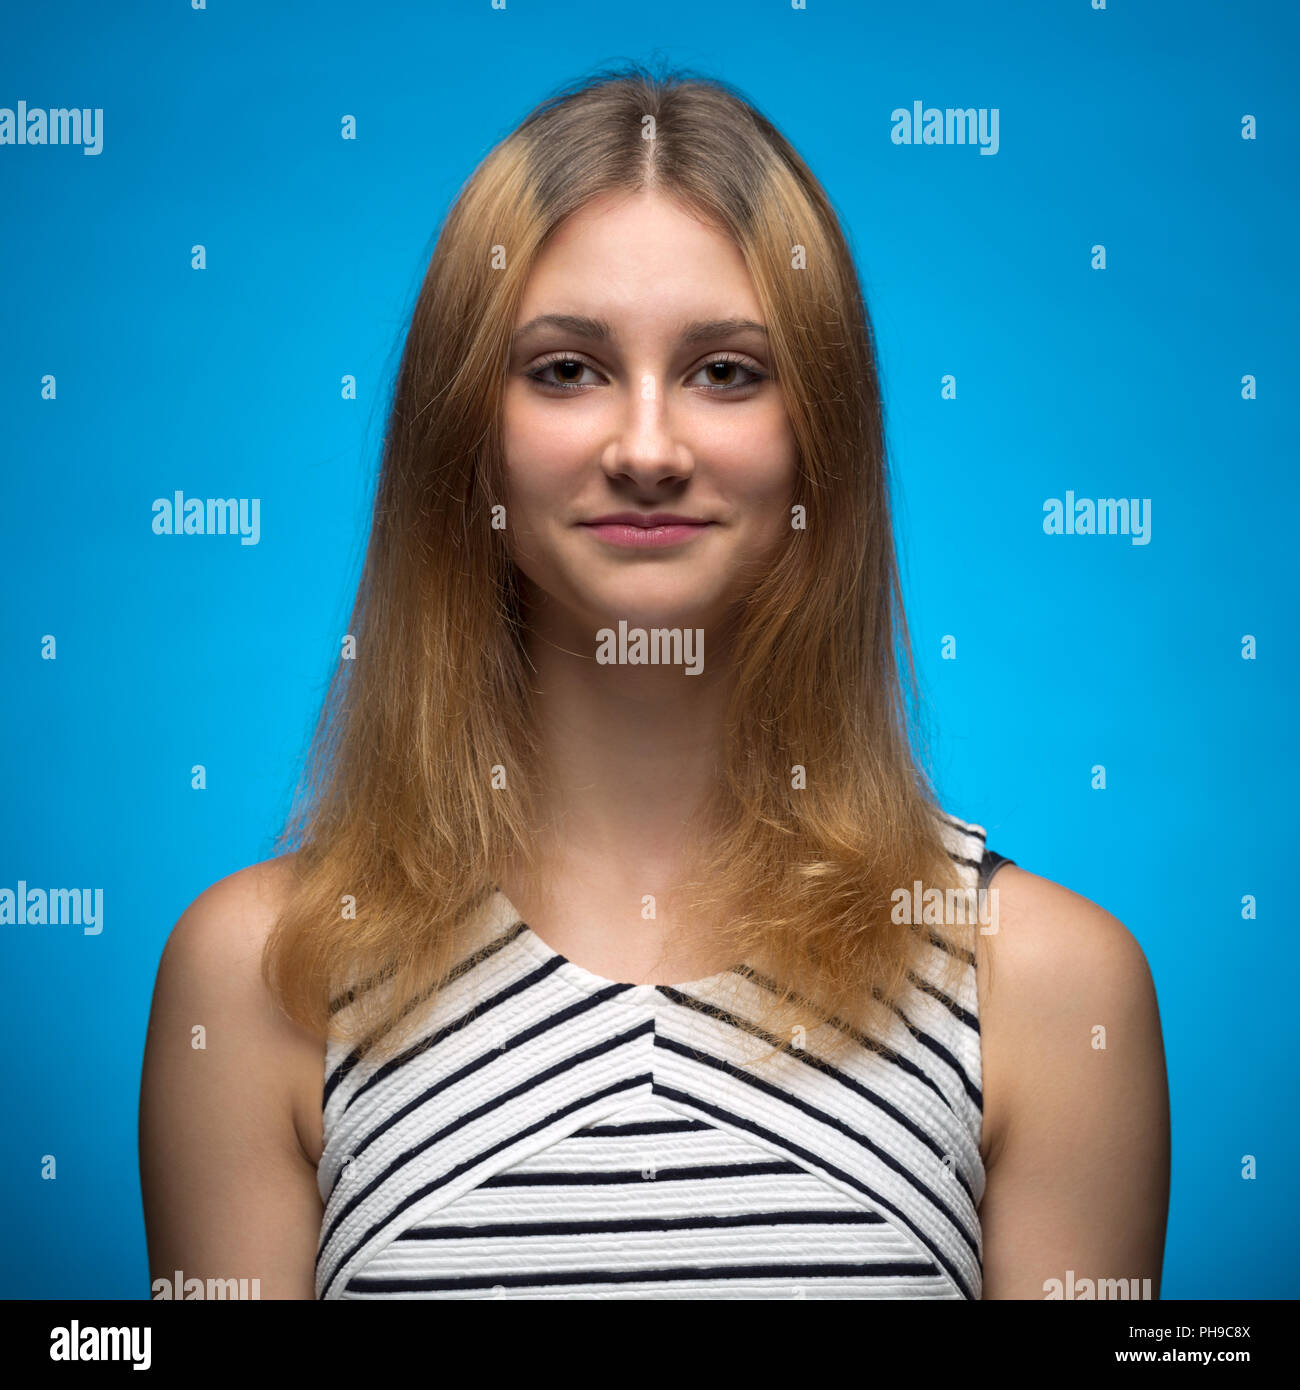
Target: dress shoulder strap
990 864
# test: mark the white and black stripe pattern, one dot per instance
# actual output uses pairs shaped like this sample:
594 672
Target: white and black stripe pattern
552 1134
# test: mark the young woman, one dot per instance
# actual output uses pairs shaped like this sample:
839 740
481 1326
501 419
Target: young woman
621 946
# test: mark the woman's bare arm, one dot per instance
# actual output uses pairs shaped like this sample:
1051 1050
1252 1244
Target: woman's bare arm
229 1137
1076 1098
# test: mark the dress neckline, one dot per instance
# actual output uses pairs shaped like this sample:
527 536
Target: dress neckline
589 980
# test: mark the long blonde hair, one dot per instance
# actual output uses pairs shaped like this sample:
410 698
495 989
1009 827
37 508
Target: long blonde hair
398 814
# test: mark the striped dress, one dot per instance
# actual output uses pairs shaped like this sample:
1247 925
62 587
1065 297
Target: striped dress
549 1133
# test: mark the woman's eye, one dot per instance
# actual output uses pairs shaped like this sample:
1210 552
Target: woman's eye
568 373
720 376
723 374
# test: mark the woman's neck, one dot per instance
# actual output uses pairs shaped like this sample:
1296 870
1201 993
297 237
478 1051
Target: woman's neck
629 751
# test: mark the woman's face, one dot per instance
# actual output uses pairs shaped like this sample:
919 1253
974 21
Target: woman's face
639 382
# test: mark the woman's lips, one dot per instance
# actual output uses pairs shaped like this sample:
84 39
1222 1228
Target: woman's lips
652 537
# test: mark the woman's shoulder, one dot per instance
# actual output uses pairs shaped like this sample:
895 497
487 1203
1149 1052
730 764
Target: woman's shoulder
1060 980
234 913
1049 937
229 1127
213 955
210 977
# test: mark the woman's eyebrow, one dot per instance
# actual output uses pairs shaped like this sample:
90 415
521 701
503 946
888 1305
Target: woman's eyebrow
596 329
599 331
719 328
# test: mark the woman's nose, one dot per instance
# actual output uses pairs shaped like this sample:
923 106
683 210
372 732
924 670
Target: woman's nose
647 448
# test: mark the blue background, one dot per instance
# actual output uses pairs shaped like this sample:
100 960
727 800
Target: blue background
222 127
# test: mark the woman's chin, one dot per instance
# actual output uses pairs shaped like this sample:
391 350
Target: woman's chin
642 611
